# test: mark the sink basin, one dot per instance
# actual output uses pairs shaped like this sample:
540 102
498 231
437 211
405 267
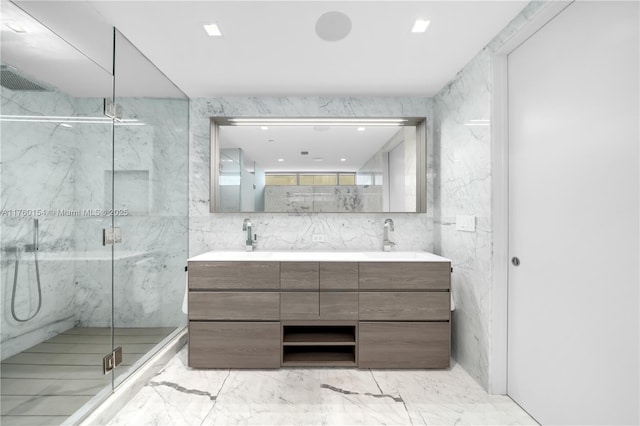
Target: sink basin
319 256
382 255
234 256
403 256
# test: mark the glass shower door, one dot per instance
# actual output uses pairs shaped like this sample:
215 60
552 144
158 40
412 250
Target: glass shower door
150 184
56 155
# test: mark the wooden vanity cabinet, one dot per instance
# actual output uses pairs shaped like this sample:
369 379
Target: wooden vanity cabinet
318 291
338 276
366 314
299 305
422 276
404 345
234 276
215 344
404 306
299 275
405 316
234 314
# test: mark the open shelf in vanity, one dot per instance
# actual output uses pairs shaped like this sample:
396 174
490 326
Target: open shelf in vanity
319 345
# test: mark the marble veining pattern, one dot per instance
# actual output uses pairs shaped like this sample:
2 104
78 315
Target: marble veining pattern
293 231
49 186
73 174
462 147
179 395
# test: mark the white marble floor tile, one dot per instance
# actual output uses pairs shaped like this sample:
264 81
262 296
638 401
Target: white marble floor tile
179 395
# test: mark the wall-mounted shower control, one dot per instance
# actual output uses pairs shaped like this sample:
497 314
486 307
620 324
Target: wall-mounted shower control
111 236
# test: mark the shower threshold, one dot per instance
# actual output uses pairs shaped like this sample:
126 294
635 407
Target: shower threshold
49 382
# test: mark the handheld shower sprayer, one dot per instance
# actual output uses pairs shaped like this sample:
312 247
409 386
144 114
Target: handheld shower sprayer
34 247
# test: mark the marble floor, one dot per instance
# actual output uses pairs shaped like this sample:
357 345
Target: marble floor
179 395
47 383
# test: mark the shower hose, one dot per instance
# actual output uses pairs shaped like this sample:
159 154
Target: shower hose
15 278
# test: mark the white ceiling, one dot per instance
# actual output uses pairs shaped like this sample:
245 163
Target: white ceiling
270 47
267 48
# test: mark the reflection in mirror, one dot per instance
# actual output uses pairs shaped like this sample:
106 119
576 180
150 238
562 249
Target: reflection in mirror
317 165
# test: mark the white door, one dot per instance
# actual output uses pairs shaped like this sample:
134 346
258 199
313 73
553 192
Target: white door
573 217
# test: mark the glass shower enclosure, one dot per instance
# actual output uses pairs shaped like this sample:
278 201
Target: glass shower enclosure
93 223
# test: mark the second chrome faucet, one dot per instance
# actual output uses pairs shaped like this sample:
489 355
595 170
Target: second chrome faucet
250 243
386 243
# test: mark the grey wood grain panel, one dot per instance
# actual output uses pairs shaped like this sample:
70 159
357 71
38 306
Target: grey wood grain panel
404 345
408 306
338 275
220 305
58 405
299 305
32 420
234 344
53 387
404 275
339 305
234 275
25 371
299 275
53 360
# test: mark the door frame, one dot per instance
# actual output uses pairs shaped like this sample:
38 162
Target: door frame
498 367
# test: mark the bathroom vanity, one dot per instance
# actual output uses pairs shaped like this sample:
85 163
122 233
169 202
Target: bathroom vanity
359 309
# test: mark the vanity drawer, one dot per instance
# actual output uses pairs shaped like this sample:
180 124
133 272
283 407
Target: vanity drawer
404 276
338 276
300 305
234 344
234 275
205 305
299 275
404 345
338 305
401 306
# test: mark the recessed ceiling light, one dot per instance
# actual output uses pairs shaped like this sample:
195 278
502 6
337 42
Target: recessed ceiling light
361 129
280 160
343 159
420 26
66 125
264 128
212 30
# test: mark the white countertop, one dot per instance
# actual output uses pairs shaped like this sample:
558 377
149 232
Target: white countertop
318 256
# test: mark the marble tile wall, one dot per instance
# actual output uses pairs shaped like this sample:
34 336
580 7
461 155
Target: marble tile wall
462 146
293 231
67 170
149 263
38 174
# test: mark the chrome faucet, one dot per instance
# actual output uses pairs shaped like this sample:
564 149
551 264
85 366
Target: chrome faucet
250 244
386 243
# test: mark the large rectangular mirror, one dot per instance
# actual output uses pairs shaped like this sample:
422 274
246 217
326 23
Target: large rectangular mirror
309 165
